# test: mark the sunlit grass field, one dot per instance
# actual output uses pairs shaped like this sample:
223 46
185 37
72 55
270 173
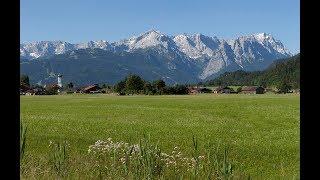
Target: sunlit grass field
261 131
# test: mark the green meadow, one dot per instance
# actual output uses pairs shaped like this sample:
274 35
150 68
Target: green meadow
261 131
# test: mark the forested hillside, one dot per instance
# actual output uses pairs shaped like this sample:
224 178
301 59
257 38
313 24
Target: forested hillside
281 71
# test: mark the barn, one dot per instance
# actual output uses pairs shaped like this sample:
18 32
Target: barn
193 90
196 90
252 90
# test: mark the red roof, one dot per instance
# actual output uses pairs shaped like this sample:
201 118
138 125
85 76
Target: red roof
88 88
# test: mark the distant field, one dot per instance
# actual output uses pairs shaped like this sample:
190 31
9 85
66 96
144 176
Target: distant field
262 131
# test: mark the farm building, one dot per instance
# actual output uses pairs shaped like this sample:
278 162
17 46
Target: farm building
196 90
78 90
193 90
223 90
29 92
252 90
91 89
39 90
35 91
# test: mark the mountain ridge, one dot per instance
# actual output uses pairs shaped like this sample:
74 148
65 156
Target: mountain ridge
211 56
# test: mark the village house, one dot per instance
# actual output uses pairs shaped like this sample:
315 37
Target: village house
29 92
223 90
78 90
34 91
197 90
252 90
193 90
91 89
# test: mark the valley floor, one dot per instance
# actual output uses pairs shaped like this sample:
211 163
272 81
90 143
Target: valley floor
261 131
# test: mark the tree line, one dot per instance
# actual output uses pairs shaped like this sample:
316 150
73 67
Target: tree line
134 84
131 84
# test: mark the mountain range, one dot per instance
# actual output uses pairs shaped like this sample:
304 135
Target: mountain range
184 58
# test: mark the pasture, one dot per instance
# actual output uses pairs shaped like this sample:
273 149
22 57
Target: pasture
261 131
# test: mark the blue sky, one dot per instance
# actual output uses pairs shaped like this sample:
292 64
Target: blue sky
83 20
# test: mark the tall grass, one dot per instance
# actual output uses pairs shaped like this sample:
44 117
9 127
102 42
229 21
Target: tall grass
58 158
145 160
260 141
23 131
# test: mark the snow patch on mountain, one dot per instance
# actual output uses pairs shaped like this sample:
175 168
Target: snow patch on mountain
102 44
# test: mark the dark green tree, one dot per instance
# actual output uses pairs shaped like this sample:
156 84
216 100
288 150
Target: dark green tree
24 79
263 84
159 86
134 84
206 90
218 82
181 89
284 87
51 90
169 90
120 87
70 85
200 83
148 88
